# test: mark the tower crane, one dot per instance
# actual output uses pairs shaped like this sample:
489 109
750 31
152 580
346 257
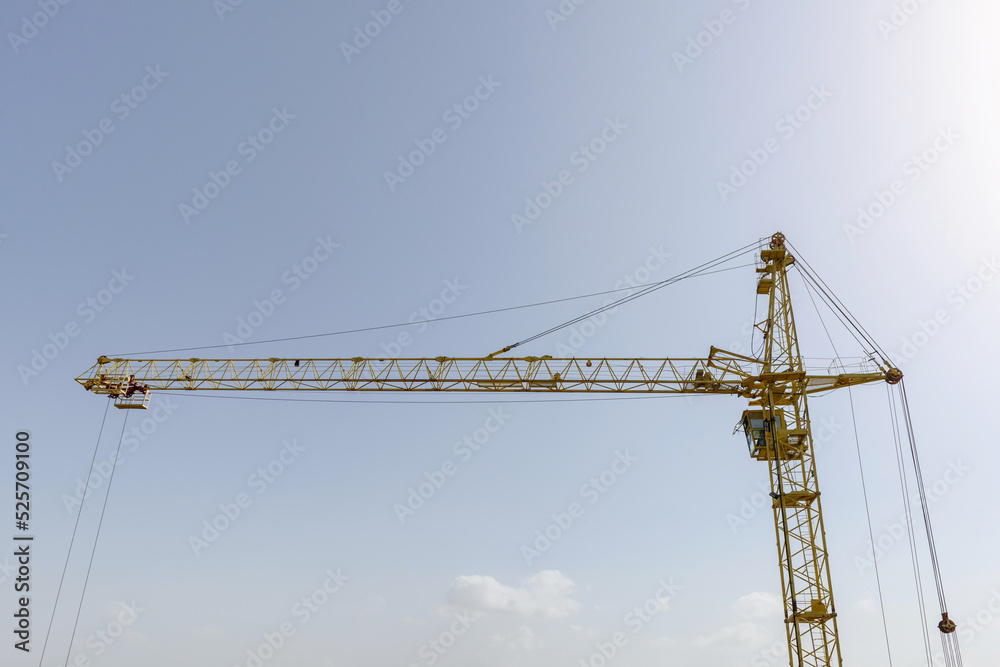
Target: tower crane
776 421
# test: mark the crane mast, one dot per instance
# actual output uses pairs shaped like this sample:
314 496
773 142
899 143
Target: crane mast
776 423
786 444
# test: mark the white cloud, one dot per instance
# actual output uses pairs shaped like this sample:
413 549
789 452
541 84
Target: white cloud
522 640
547 595
758 605
866 604
373 605
209 632
742 635
509 649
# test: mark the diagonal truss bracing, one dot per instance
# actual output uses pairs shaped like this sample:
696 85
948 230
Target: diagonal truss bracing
720 373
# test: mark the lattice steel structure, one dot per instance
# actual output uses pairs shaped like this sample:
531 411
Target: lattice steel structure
776 423
810 612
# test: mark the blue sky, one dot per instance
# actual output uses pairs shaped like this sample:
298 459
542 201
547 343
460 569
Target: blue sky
177 175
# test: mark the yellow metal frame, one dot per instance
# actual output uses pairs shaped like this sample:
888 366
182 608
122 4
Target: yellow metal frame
720 373
776 387
810 612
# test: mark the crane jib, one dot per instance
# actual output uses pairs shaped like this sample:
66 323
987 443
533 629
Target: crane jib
776 423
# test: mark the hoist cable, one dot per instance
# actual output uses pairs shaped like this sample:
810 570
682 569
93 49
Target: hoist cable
923 495
809 279
839 305
409 324
104 507
946 640
910 528
861 468
805 267
651 288
871 533
72 539
698 270
380 327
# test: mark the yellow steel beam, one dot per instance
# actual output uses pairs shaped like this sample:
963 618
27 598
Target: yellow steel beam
720 373
777 385
810 612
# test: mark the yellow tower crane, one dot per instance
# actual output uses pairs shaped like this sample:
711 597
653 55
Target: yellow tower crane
776 422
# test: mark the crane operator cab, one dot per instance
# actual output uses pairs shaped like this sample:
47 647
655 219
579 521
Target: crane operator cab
767 437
